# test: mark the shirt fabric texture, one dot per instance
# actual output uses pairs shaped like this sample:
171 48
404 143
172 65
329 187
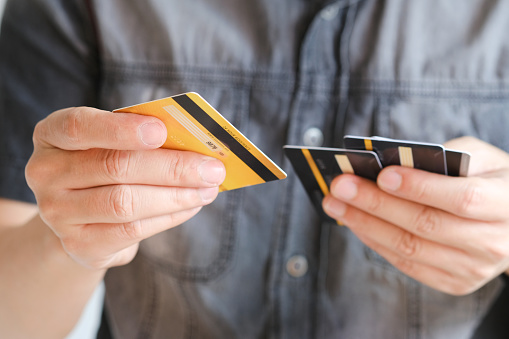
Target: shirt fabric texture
409 69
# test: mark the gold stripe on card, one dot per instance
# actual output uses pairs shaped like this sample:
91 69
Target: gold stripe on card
344 163
406 158
316 171
318 175
368 145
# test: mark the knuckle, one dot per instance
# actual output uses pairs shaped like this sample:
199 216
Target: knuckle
72 124
31 171
375 203
407 245
39 132
177 167
470 197
49 210
121 202
44 170
423 191
185 198
427 221
117 164
179 197
131 230
498 250
34 172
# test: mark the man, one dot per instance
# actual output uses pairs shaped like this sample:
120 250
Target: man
254 262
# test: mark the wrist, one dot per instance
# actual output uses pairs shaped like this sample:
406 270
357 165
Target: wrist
43 290
52 250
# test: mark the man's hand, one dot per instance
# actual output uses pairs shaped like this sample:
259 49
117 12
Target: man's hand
103 184
449 233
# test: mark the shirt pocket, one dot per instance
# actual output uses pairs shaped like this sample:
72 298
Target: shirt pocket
201 248
438 119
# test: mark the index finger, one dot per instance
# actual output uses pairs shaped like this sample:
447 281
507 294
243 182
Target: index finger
82 128
480 198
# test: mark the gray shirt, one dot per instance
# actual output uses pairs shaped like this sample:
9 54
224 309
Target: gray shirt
259 262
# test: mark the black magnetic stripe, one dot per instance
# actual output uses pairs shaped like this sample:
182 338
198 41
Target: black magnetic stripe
306 176
213 127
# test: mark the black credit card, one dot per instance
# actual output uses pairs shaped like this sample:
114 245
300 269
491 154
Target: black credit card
316 167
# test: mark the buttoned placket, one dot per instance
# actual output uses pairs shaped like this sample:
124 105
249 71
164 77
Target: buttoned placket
313 121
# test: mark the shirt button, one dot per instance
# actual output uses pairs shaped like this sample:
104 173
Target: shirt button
297 266
330 12
313 137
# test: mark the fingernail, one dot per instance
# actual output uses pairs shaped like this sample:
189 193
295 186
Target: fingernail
152 134
345 189
212 171
334 208
390 180
208 194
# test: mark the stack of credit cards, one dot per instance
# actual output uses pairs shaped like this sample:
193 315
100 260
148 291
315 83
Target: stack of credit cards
316 167
194 125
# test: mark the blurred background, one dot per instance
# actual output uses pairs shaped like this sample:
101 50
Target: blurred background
2 3
87 326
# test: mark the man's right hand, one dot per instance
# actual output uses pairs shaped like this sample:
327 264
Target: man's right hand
102 183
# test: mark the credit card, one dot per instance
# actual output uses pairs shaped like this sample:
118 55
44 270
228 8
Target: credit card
424 156
194 125
316 167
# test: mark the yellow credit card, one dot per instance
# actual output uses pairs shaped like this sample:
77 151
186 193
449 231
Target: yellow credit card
194 125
